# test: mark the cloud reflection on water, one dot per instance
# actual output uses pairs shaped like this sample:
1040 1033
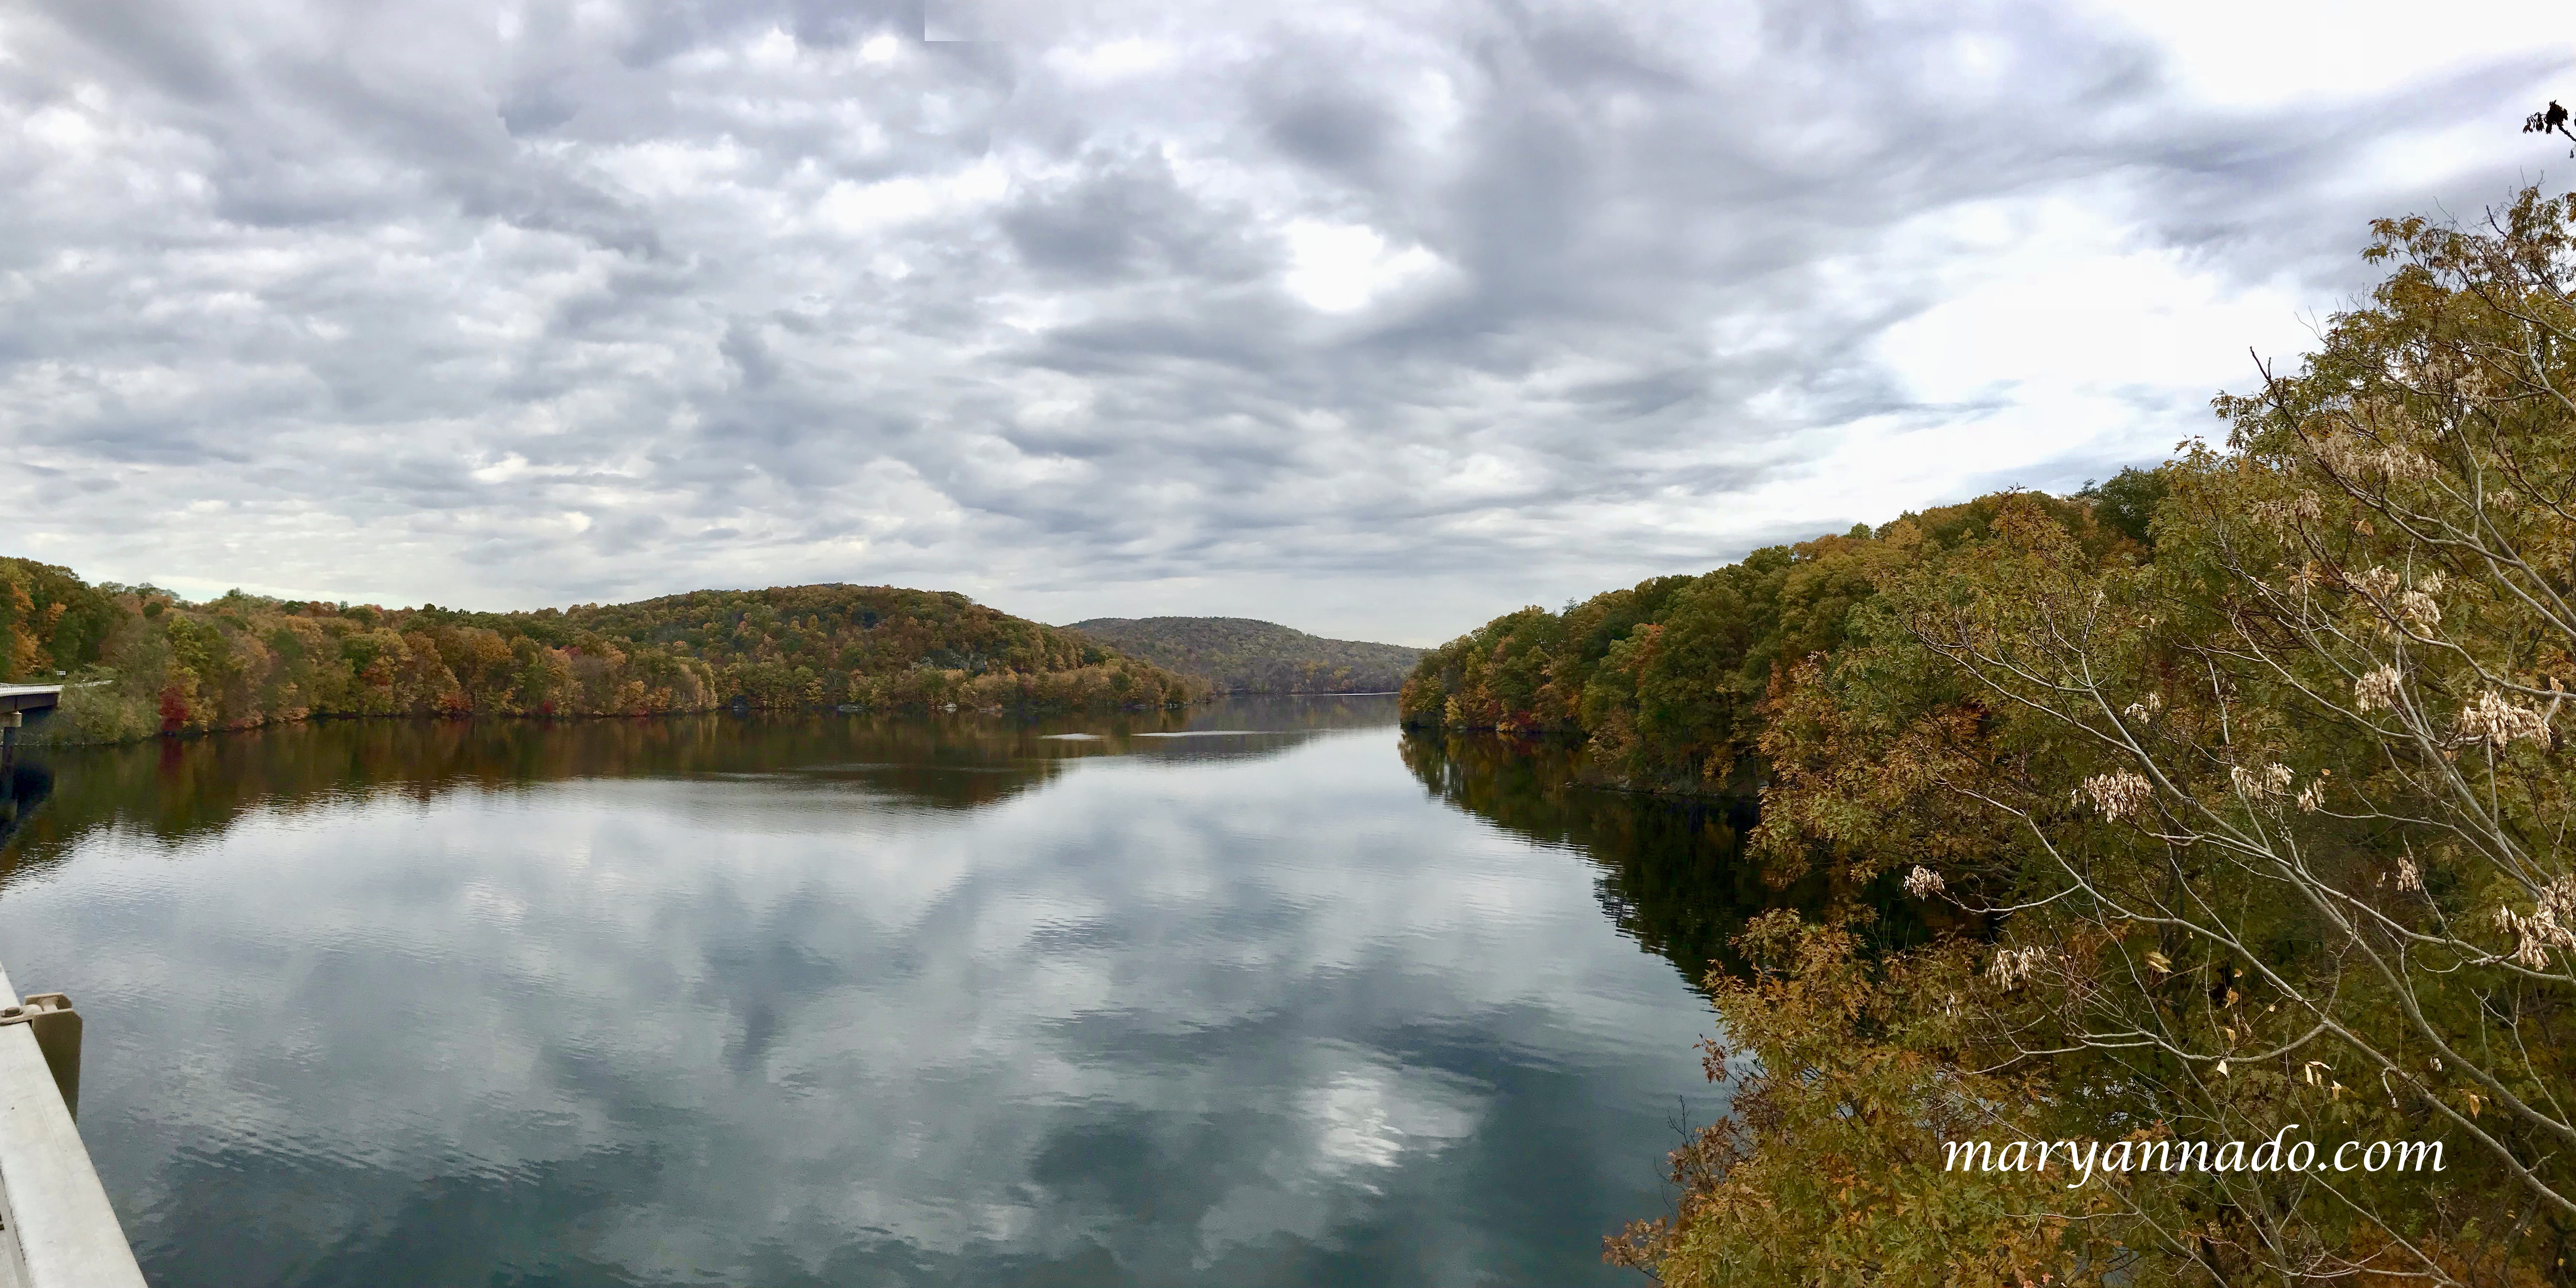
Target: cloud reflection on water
1141 1019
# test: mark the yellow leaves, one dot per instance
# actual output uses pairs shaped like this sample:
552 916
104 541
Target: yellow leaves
1831 1170
2162 963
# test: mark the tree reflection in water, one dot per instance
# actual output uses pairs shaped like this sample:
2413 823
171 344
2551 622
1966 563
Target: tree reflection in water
176 789
1674 873
22 789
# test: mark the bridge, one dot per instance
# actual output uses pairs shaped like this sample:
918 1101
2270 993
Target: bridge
19 698
16 700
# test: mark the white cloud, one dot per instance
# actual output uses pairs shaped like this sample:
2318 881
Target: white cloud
2057 294
861 209
1112 60
1341 269
2324 55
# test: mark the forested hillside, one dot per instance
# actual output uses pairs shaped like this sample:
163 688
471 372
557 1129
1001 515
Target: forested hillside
1242 655
142 661
2249 822
1665 680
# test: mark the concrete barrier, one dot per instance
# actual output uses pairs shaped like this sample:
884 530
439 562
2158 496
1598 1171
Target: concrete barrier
55 1220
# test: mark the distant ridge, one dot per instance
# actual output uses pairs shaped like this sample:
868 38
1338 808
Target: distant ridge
1244 655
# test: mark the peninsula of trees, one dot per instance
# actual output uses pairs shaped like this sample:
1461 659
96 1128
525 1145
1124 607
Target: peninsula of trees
141 661
1243 655
1664 682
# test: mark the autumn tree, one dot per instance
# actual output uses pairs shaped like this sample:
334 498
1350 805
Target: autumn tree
2267 829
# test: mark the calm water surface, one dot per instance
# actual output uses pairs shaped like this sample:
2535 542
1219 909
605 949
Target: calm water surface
1259 994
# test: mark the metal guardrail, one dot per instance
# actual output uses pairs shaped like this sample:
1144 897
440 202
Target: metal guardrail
56 1227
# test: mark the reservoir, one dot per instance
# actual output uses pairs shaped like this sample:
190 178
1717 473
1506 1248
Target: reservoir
1258 993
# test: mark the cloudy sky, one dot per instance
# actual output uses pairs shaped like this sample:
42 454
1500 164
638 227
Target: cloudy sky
1376 319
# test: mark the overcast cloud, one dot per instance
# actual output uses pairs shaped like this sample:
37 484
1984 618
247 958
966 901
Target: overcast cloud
1375 319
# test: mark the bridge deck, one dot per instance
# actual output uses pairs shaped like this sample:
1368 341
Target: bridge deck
29 697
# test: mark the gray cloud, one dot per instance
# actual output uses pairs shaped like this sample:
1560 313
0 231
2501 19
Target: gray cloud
1379 319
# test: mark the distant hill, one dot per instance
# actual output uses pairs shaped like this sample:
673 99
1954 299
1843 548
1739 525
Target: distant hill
1242 655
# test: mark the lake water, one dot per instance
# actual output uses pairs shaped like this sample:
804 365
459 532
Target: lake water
1261 993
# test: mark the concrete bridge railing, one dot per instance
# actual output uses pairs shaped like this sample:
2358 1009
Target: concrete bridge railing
56 1227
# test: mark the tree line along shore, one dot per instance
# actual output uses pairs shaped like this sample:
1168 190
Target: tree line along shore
139 661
